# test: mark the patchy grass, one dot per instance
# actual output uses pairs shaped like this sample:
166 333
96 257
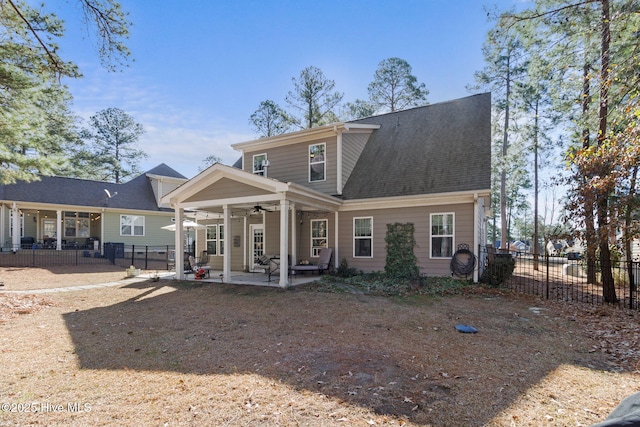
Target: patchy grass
187 353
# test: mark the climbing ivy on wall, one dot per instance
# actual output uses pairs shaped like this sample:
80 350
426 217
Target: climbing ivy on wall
401 261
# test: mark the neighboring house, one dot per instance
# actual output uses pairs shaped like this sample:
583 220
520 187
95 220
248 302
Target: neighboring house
59 213
339 185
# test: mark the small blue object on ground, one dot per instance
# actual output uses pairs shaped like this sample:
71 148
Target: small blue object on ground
466 329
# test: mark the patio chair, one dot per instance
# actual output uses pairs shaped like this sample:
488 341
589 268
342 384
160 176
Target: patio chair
203 260
195 267
271 264
324 263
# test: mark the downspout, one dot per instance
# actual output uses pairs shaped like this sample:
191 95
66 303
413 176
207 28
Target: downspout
476 230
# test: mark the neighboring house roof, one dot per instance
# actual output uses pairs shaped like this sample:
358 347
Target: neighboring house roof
439 148
163 170
136 194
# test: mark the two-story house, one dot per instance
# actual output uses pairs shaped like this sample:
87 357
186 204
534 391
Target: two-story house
339 185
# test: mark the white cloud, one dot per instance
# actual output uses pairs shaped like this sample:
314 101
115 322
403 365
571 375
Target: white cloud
176 134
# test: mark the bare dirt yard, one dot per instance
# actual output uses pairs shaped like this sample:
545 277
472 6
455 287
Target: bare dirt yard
188 353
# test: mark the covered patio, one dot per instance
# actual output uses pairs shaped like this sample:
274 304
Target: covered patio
253 279
258 215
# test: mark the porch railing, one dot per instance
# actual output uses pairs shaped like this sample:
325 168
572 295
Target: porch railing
142 256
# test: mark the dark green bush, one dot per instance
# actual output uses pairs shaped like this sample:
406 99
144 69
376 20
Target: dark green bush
402 263
345 271
379 283
498 270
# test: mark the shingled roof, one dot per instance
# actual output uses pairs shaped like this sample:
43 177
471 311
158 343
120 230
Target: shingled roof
439 148
135 194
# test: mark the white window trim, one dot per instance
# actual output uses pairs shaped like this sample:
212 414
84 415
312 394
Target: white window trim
362 237
263 171
326 238
76 217
453 235
219 240
324 162
144 226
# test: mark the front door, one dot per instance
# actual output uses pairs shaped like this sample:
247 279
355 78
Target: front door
49 233
256 231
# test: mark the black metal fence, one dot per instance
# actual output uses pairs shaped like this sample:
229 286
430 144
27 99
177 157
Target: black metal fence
141 256
565 278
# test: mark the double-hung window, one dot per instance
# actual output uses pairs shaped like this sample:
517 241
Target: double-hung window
317 162
215 239
76 224
131 225
259 162
363 237
318 236
442 232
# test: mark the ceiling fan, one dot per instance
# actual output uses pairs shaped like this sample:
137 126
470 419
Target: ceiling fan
258 208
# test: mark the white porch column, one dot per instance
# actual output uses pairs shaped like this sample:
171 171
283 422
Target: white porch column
102 221
294 234
179 243
284 243
226 259
59 230
339 164
476 231
3 232
15 224
245 252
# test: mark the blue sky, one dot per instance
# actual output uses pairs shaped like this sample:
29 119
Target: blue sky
202 67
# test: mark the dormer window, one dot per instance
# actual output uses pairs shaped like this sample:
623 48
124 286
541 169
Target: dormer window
317 162
259 164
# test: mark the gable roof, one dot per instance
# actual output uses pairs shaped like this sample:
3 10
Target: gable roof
136 194
438 148
163 170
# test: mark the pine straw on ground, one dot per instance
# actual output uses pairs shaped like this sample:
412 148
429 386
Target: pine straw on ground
172 353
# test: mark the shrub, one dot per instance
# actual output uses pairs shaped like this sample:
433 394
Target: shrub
379 283
345 271
401 262
498 270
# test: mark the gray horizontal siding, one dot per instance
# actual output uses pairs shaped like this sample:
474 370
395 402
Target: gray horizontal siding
420 217
290 163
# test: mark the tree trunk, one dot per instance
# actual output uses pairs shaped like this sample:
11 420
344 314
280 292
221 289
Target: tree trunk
590 229
628 236
536 249
503 174
608 285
